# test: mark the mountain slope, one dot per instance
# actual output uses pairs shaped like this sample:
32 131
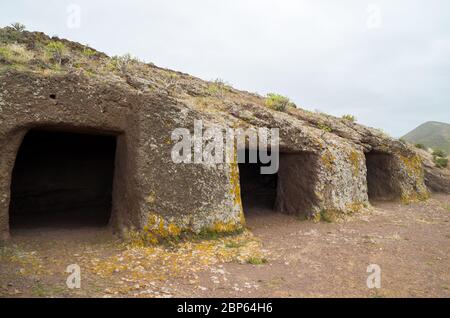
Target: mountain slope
432 134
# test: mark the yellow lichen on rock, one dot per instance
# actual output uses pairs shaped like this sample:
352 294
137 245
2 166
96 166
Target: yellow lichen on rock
355 159
415 196
157 230
414 169
226 227
328 159
235 187
413 165
355 207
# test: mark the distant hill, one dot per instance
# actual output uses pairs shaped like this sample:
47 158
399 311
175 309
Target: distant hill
432 134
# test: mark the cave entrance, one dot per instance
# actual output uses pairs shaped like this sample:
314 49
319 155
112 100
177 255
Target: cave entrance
62 180
289 191
258 191
380 180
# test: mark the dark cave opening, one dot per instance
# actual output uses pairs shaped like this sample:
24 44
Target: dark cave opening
62 180
258 191
297 179
380 181
289 191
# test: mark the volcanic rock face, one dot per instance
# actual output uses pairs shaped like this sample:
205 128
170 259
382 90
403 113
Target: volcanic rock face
436 179
149 188
322 171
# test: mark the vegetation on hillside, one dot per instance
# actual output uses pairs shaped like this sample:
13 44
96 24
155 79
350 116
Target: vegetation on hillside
349 117
434 135
440 158
25 51
278 102
21 50
421 146
218 88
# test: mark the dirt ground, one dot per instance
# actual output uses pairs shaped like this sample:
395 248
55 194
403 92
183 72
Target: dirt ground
279 256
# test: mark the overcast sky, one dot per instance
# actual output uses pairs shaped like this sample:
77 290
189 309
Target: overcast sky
386 62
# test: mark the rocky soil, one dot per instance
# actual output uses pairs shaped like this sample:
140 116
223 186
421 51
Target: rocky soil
279 256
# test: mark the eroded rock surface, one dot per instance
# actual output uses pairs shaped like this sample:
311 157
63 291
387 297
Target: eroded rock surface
141 104
436 179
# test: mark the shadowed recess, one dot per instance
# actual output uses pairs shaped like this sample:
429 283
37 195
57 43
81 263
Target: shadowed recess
380 180
62 180
258 191
289 191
